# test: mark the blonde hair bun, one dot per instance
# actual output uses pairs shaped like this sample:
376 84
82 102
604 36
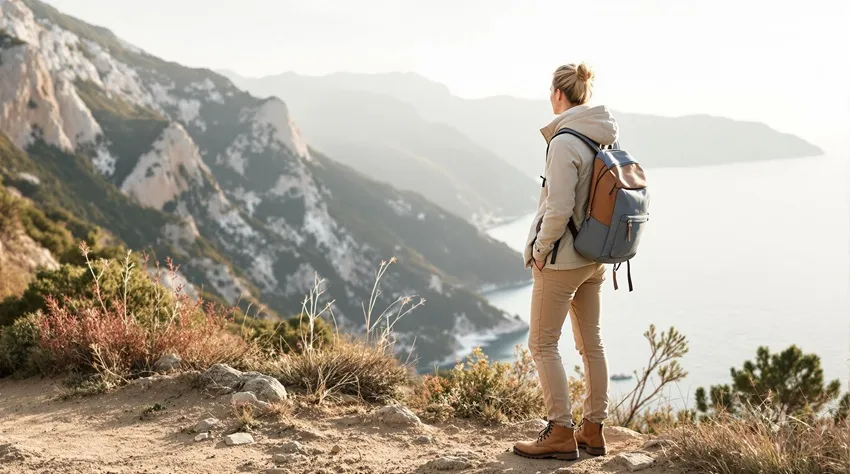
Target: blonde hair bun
575 81
584 72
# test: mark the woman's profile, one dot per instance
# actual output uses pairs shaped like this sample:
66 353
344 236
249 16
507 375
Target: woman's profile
565 283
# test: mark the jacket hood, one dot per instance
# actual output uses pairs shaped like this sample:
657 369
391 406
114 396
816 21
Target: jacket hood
595 123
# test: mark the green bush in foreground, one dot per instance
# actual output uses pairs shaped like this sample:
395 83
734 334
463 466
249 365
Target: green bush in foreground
18 344
788 383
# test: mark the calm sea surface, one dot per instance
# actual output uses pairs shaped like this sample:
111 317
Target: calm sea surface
735 256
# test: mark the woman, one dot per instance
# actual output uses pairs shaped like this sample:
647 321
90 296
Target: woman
564 281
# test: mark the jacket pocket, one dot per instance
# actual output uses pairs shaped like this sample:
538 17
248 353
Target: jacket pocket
627 236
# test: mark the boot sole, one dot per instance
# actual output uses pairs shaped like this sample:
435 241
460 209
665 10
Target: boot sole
567 456
593 451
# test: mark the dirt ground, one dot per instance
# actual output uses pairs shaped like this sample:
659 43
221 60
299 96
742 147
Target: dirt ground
146 428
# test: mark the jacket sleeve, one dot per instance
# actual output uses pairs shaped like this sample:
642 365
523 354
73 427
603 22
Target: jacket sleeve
562 171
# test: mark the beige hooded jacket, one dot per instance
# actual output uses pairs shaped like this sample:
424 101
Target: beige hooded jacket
569 166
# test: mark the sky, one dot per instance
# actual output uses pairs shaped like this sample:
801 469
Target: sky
783 63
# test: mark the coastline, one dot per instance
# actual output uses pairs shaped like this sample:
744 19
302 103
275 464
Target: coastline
511 326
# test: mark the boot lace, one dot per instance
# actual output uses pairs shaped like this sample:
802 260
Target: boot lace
545 432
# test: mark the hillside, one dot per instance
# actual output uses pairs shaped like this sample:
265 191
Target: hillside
387 138
181 162
509 127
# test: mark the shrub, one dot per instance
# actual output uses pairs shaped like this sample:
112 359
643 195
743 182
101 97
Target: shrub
10 208
76 286
635 409
17 343
787 383
495 392
751 443
281 337
117 333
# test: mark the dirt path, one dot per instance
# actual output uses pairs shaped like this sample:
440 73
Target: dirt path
109 434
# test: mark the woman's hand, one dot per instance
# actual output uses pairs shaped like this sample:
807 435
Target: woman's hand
539 264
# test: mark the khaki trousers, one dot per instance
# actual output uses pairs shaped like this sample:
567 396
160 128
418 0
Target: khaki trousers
557 293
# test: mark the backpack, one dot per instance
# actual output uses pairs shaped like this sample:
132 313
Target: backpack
617 208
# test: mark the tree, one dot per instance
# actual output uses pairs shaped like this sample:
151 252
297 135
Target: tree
789 383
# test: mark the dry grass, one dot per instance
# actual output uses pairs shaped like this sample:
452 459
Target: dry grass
494 392
363 366
756 445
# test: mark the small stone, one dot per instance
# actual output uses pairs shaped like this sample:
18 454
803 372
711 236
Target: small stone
336 450
241 399
206 425
424 440
202 437
619 433
277 471
292 447
237 439
267 389
397 415
167 363
221 376
288 458
449 463
146 383
635 461
656 442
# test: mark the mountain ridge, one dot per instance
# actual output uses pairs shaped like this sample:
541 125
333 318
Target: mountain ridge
509 127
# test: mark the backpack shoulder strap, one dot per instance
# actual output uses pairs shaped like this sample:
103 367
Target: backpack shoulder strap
593 146
568 131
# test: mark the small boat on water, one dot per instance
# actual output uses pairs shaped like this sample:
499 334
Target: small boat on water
621 376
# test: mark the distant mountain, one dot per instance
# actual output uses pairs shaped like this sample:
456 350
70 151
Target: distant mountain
509 127
178 160
387 139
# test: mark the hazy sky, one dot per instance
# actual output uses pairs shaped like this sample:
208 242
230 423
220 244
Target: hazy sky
776 61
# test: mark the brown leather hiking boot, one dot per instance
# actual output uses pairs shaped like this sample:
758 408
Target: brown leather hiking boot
555 441
589 437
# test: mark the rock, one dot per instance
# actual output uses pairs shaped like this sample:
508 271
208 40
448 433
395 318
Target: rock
206 425
449 463
202 437
424 440
397 415
292 447
267 389
621 434
222 377
288 458
656 442
336 450
146 383
241 399
237 439
635 461
167 363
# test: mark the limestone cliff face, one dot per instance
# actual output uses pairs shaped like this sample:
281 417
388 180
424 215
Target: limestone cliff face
34 103
173 166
